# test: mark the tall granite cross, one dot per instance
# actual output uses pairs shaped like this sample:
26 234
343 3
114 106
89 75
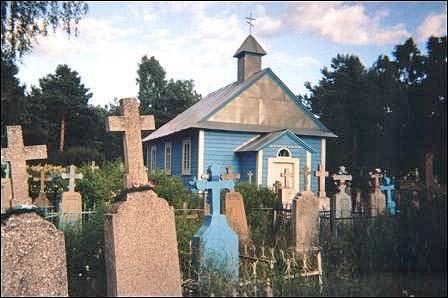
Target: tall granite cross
229 175
249 175
321 174
342 177
388 187
131 123
286 175
306 173
17 154
71 176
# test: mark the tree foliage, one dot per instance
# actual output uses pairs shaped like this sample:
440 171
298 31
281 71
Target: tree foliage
22 21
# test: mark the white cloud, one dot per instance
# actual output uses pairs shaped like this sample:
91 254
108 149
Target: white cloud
434 24
344 23
266 25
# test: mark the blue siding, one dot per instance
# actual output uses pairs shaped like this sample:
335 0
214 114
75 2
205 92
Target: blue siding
219 147
248 162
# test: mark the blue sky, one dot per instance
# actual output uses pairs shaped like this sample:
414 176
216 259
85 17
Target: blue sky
196 40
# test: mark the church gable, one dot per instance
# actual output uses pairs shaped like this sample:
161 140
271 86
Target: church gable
266 102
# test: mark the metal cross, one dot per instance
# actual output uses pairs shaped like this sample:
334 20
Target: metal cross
249 21
249 175
71 176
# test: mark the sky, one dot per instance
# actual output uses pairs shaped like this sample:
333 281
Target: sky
197 40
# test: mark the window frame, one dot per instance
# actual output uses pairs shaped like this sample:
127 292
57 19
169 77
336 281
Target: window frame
186 157
168 161
153 158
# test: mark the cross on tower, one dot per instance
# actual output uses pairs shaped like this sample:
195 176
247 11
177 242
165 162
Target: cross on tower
249 21
342 177
306 173
229 175
71 176
17 154
321 174
215 185
286 175
249 175
131 123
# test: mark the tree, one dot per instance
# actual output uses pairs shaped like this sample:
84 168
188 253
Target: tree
160 98
22 21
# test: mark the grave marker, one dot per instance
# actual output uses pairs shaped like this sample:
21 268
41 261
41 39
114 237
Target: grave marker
249 175
388 187
377 198
343 202
70 208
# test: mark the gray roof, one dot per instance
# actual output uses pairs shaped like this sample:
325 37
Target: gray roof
194 117
250 45
264 140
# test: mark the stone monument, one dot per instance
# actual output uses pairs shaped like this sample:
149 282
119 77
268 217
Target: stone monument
377 200
141 250
342 200
324 201
216 244
17 154
305 221
70 208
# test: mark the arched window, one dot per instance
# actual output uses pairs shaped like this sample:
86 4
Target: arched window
284 153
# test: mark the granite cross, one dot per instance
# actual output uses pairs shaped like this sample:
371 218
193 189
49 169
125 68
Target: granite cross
249 175
215 185
132 124
377 176
17 154
93 167
229 175
321 173
286 175
306 173
71 176
388 187
342 177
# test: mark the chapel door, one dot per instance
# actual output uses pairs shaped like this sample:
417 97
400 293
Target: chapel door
284 172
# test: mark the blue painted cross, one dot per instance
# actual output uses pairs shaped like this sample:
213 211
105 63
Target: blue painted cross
388 187
214 184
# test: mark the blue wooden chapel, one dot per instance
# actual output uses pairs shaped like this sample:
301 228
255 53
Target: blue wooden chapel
255 124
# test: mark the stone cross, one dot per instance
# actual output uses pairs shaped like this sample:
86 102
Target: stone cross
229 175
72 176
42 179
214 184
321 173
249 175
93 167
132 124
388 187
306 173
377 176
342 177
17 154
286 175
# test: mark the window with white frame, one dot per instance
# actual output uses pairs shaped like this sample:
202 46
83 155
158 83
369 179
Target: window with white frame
168 158
186 156
284 152
153 164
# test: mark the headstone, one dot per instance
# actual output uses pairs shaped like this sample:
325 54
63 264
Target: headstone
324 201
141 250
131 123
377 199
305 221
388 187
70 208
42 200
93 167
343 201
236 215
216 244
33 258
6 194
306 181
17 154
249 176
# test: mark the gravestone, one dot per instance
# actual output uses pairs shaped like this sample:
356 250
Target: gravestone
17 154
236 215
141 252
6 194
388 187
305 221
377 200
324 201
42 200
342 200
70 208
215 243
93 167
33 258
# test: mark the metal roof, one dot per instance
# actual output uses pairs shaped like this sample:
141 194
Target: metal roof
250 45
265 140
